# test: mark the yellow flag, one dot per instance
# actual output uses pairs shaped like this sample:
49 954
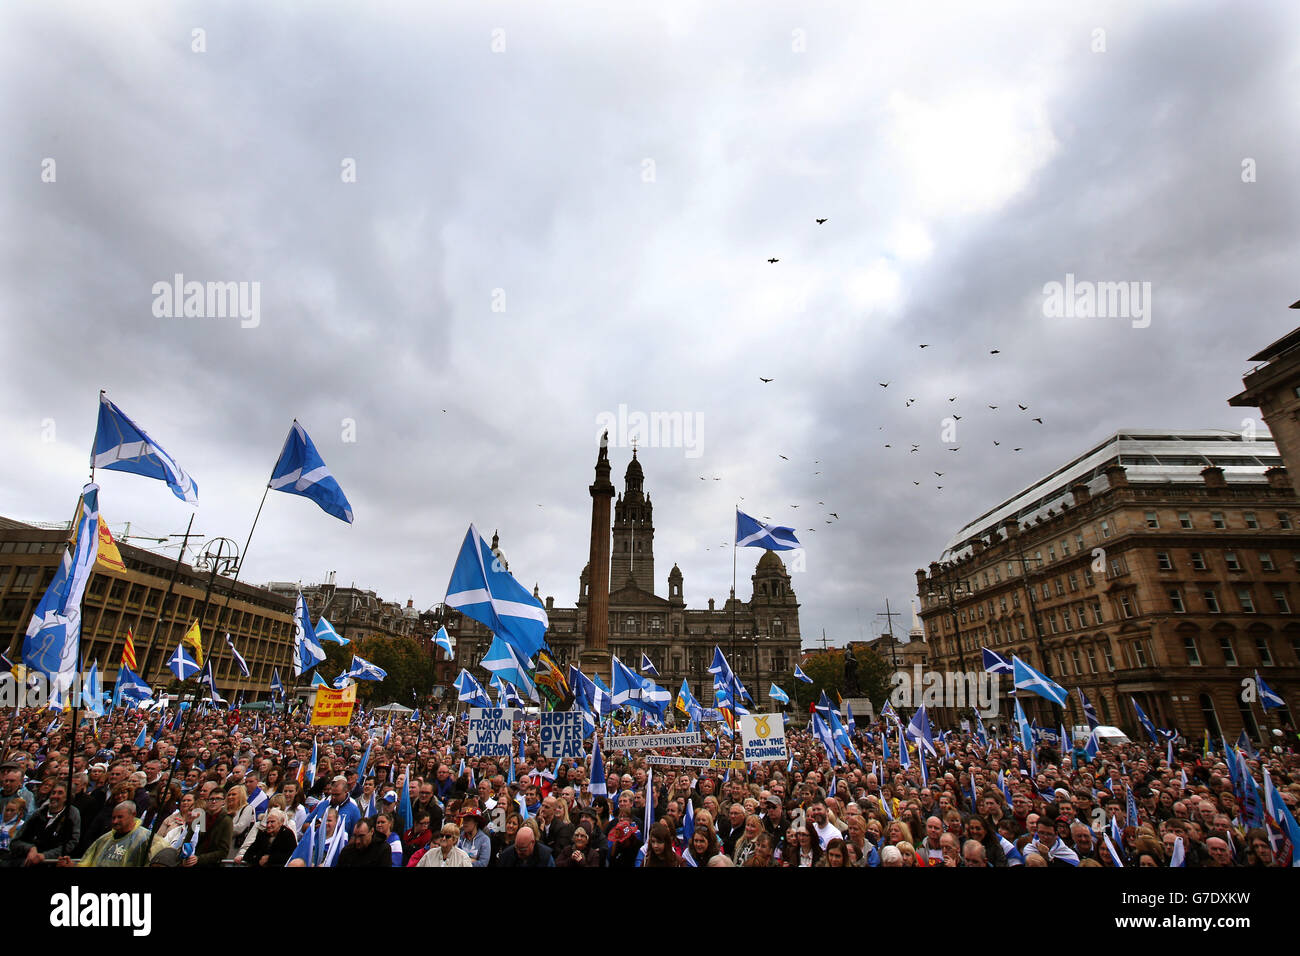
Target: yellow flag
195 640
109 557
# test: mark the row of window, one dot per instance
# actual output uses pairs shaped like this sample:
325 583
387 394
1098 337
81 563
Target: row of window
1217 521
1245 600
1191 645
1231 560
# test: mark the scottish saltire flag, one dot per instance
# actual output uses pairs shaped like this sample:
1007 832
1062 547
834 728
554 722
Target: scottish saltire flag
405 812
307 650
648 666
995 663
980 733
276 687
1002 785
483 590
841 736
1026 678
800 675
822 733
1092 746
142 741
130 687
1089 711
904 758
1026 739
848 713
362 669
1014 856
724 677
1130 807
300 470
1145 721
318 681
1243 742
306 848
325 632
92 692
1114 853
687 703
259 801
206 680
122 445
627 686
778 694
919 730
823 704
443 639
597 786
1252 805
1269 699
309 773
884 747
239 658
589 695
654 700
470 691
1060 851
1280 816
503 661
182 665
52 645
752 533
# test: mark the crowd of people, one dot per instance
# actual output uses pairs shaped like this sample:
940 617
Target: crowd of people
232 789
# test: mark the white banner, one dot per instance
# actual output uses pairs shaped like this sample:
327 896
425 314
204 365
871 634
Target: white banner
561 734
707 763
763 736
649 741
491 733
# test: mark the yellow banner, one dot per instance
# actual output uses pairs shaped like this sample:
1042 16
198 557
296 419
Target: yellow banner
334 707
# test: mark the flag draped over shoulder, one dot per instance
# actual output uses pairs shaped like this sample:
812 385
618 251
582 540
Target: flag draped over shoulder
53 640
300 470
122 445
752 533
480 588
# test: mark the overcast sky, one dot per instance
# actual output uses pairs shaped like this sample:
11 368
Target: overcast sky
558 209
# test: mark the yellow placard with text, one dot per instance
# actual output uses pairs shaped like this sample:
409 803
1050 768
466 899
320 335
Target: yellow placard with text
333 707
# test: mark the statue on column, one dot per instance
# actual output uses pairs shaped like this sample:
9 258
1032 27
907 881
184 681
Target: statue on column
851 673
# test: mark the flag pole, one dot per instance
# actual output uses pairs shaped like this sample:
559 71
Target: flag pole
162 608
81 618
735 703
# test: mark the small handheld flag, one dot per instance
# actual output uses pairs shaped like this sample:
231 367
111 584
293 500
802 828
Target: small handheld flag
182 665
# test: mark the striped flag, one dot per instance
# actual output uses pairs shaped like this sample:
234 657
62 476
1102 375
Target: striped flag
128 652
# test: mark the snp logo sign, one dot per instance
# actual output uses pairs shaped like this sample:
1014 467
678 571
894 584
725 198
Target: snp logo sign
75 909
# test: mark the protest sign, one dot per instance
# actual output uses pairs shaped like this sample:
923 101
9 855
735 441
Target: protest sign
651 741
561 735
763 736
333 708
491 732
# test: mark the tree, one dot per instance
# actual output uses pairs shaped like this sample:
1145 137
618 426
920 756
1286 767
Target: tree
826 668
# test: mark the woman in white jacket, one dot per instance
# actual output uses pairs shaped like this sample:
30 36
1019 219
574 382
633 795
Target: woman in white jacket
444 851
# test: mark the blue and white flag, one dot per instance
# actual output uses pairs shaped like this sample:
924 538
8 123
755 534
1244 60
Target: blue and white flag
504 661
1013 855
1145 721
206 680
130 687
1280 815
1026 678
259 801
306 848
777 694
725 679
654 700
1252 806
980 733
52 645
360 669
588 694
276 687
482 589
995 663
470 691
1089 711
904 758
800 675
919 730
1179 856
822 733
627 686
1026 737
301 471
239 658
142 741
1269 699
752 533
325 632
1060 851
1114 853
597 786
309 772
93 692
443 639
848 714
307 650
1092 746
122 445
182 665
647 666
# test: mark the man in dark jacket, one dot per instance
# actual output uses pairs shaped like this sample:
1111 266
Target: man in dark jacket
363 849
218 833
51 832
526 851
